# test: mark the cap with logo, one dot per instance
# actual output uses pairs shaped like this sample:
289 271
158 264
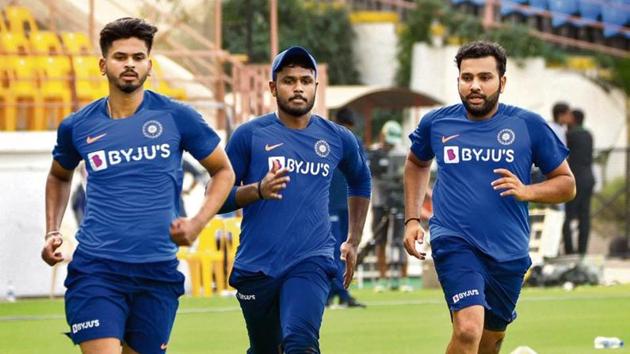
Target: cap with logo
392 132
281 60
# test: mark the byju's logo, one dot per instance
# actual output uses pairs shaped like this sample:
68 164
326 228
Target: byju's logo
97 160
464 294
246 297
451 154
301 167
84 325
102 159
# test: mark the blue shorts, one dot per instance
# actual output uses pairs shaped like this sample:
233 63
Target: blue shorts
135 303
285 312
470 277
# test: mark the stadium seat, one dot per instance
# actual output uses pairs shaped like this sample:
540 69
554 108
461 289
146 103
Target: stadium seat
77 43
8 111
55 72
209 253
538 6
20 20
13 44
194 268
509 7
89 84
23 85
45 42
3 26
561 10
615 14
233 233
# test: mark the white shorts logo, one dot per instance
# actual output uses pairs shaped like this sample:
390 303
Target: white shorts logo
451 154
246 297
84 325
464 294
97 160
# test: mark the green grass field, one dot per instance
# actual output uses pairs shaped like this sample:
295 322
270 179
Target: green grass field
550 321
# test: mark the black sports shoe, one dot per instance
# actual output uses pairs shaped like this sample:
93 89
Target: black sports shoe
352 302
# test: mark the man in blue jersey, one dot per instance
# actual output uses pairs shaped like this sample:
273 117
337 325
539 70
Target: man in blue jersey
123 284
284 162
338 212
479 230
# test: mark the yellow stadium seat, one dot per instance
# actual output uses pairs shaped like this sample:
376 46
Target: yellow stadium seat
45 42
209 252
77 43
8 111
89 84
13 44
20 20
233 234
194 268
55 72
23 85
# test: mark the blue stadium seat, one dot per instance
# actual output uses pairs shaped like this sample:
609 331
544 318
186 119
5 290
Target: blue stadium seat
538 6
615 14
590 11
509 7
562 10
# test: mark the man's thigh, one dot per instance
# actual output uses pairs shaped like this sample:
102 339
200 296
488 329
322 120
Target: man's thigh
302 300
258 296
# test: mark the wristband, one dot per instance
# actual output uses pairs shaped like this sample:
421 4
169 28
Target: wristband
50 234
259 191
410 219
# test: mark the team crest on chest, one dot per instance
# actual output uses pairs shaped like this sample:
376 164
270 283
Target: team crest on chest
322 149
506 136
152 129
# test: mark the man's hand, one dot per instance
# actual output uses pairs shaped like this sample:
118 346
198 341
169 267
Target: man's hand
348 255
414 234
274 182
511 185
184 231
49 252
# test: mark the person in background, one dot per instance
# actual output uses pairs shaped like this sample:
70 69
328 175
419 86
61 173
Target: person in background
580 143
338 212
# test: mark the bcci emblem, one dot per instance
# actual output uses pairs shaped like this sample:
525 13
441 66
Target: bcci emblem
152 129
322 148
506 137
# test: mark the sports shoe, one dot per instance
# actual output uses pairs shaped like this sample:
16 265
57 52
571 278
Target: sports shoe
406 288
352 302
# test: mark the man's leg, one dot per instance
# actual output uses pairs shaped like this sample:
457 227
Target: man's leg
101 346
491 342
257 295
584 218
302 300
467 330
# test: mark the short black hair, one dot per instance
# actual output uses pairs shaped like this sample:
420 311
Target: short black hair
482 49
578 116
126 27
559 109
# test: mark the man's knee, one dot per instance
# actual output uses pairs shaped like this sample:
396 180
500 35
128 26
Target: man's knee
468 332
300 343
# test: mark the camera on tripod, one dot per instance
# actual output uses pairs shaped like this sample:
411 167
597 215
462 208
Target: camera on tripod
387 171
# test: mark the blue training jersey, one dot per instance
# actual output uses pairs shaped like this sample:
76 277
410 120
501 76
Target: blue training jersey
135 174
467 152
276 234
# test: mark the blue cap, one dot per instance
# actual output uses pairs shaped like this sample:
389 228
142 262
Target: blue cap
296 51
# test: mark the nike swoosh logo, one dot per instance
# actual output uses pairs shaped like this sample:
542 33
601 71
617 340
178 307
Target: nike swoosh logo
447 138
271 147
91 139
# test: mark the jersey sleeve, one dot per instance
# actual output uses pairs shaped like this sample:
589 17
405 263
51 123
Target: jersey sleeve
65 152
354 166
548 151
198 137
238 150
421 138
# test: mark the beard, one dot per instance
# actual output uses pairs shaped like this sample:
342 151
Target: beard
489 102
285 106
125 86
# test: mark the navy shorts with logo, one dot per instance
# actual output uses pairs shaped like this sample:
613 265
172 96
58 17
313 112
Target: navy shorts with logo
470 277
135 303
286 311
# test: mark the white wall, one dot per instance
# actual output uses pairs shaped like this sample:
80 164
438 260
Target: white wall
25 159
375 52
533 86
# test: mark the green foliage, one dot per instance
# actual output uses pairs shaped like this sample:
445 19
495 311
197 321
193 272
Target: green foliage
325 30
